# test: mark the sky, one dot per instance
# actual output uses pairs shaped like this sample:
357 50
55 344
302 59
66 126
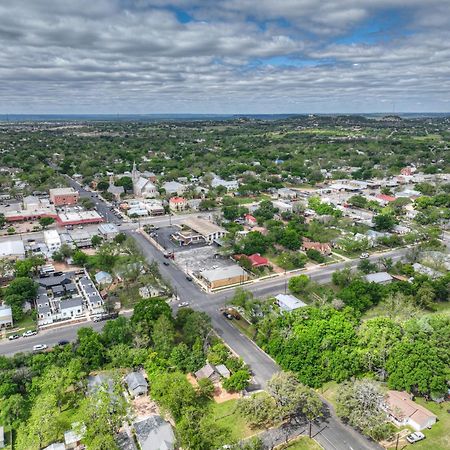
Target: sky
224 56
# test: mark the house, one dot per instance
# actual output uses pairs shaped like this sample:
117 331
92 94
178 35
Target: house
256 260
12 249
6 319
52 240
64 196
405 412
250 220
385 198
323 248
149 291
223 371
208 371
71 308
99 381
116 191
379 278
286 193
228 185
173 187
178 204
224 276
283 206
72 438
136 383
154 207
154 433
289 303
103 278
108 231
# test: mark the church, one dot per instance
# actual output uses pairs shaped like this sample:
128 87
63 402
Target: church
142 187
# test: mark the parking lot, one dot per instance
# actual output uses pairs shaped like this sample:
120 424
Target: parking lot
196 258
162 237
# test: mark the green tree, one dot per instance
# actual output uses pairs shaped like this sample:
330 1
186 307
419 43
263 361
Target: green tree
259 410
80 258
298 284
163 336
238 381
117 331
147 312
384 222
96 240
44 222
90 348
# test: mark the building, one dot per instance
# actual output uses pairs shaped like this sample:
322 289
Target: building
289 303
64 196
173 187
405 412
103 278
224 276
78 218
283 206
12 249
99 382
250 220
136 383
323 248
208 371
178 204
203 229
428 271
379 278
108 231
142 186
56 446
52 240
149 291
93 299
286 194
230 186
256 260
6 319
154 433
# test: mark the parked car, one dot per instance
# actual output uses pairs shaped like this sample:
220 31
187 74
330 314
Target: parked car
109 316
13 337
363 256
189 278
183 304
39 347
166 263
63 342
227 315
29 333
415 437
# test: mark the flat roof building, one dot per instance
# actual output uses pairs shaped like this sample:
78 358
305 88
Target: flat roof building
224 276
288 302
12 250
208 230
64 196
6 320
379 278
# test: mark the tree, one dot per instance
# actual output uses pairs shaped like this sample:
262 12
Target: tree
80 258
2 220
218 354
120 238
180 356
126 182
254 242
315 255
96 240
102 185
258 410
206 388
163 336
384 222
342 278
265 211
237 382
90 347
298 284
360 404
28 267
148 311
366 266
117 331
311 405
44 222
102 414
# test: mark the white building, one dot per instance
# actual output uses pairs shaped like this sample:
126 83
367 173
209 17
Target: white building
6 320
289 303
379 278
173 187
142 187
12 249
108 230
231 185
52 240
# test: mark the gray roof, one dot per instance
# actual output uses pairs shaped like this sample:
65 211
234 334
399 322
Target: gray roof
43 309
379 277
125 442
136 380
94 382
58 288
54 281
205 372
154 433
222 273
71 303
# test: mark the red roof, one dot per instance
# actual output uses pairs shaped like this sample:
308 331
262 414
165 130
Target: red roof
257 260
386 198
177 200
250 218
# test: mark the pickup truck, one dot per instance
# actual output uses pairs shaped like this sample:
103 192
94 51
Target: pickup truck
102 317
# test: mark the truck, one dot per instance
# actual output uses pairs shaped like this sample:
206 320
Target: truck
105 316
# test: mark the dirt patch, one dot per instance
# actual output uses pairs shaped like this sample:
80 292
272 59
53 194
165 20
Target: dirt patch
144 406
220 394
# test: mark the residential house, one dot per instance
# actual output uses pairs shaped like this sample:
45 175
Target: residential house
98 382
323 248
223 371
385 199
283 206
424 270
256 260
136 383
149 291
72 438
379 278
178 204
289 303
103 278
154 433
116 191
56 446
208 371
230 186
287 194
250 220
405 412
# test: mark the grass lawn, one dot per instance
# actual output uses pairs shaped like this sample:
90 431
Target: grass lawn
246 328
302 443
27 323
225 415
329 391
438 438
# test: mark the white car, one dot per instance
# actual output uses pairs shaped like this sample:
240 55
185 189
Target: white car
29 333
39 347
415 437
363 256
183 304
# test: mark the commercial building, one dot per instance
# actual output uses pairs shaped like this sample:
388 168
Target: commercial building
224 276
64 196
12 249
6 319
203 229
52 240
178 204
108 231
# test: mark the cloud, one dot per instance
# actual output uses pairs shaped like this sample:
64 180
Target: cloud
230 56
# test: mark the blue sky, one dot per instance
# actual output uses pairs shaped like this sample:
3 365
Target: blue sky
232 56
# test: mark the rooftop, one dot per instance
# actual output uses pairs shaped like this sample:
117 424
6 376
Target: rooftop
202 226
222 273
379 277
